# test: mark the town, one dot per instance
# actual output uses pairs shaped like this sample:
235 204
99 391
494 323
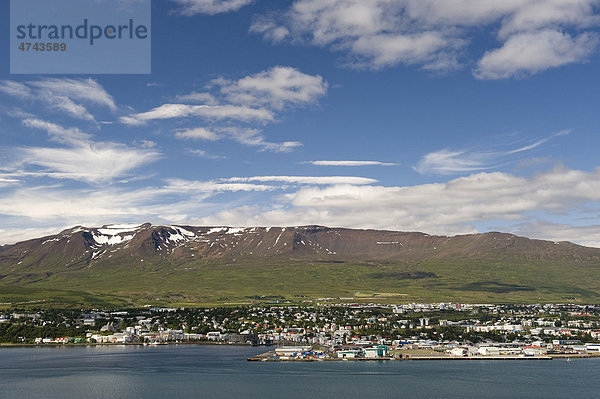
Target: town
326 331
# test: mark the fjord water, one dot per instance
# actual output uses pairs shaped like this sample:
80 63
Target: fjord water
202 371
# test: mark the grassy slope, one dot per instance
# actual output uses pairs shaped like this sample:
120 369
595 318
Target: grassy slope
225 281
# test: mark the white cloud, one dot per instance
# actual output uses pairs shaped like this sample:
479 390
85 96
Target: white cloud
275 88
89 162
196 97
255 138
53 208
204 154
317 180
66 95
210 7
535 15
351 163
7 180
87 90
15 234
435 34
269 29
528 53
584 235
213 187
15 89
72 205
217 112
447 162
83 159
385 50
238 109
286 146
246 136
146 144
451 162
58 133
197 133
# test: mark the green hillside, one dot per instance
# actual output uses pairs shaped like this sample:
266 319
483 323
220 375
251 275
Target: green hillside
424 269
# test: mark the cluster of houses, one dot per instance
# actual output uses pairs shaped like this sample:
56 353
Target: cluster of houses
343 330
58 340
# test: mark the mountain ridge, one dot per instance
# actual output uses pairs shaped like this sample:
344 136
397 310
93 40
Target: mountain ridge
180 259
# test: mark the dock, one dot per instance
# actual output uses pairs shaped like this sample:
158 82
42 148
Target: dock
271 356
477 358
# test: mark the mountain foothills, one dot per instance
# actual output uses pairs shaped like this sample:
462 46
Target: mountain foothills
146 264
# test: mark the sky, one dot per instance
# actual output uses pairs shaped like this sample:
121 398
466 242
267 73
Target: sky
441 116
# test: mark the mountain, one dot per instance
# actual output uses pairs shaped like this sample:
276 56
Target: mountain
211 265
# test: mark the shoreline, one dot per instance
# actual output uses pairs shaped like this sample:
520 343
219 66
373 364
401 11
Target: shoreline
54 345
267 357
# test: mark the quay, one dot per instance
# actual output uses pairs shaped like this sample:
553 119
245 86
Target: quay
273 356
478 358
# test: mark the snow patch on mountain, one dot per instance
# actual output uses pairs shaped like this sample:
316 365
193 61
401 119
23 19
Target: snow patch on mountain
113 234
180 234
115 229
111 239
235 230
216 230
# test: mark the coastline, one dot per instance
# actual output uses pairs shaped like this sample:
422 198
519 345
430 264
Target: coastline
270 356
10 345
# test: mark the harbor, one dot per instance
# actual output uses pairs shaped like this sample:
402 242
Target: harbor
381 353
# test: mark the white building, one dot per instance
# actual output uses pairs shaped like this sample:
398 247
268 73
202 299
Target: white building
458 351
488 351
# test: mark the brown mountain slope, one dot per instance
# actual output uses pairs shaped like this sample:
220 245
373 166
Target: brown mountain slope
78 247
224 262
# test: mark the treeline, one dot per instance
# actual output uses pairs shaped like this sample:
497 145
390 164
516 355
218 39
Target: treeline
24 333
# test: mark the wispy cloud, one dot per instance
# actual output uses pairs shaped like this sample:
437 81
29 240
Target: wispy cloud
351 163
209 7
15 89
313 180
246 136
203 154
447 162
239 109
197 133
87 90
90 162
82 159
197 97
588 235
255 138
450 162
70 96
214 187
58 133
216 112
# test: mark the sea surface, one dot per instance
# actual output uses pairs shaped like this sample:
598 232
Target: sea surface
206 371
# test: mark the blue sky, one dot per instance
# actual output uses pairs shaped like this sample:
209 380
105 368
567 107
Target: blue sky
447 117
